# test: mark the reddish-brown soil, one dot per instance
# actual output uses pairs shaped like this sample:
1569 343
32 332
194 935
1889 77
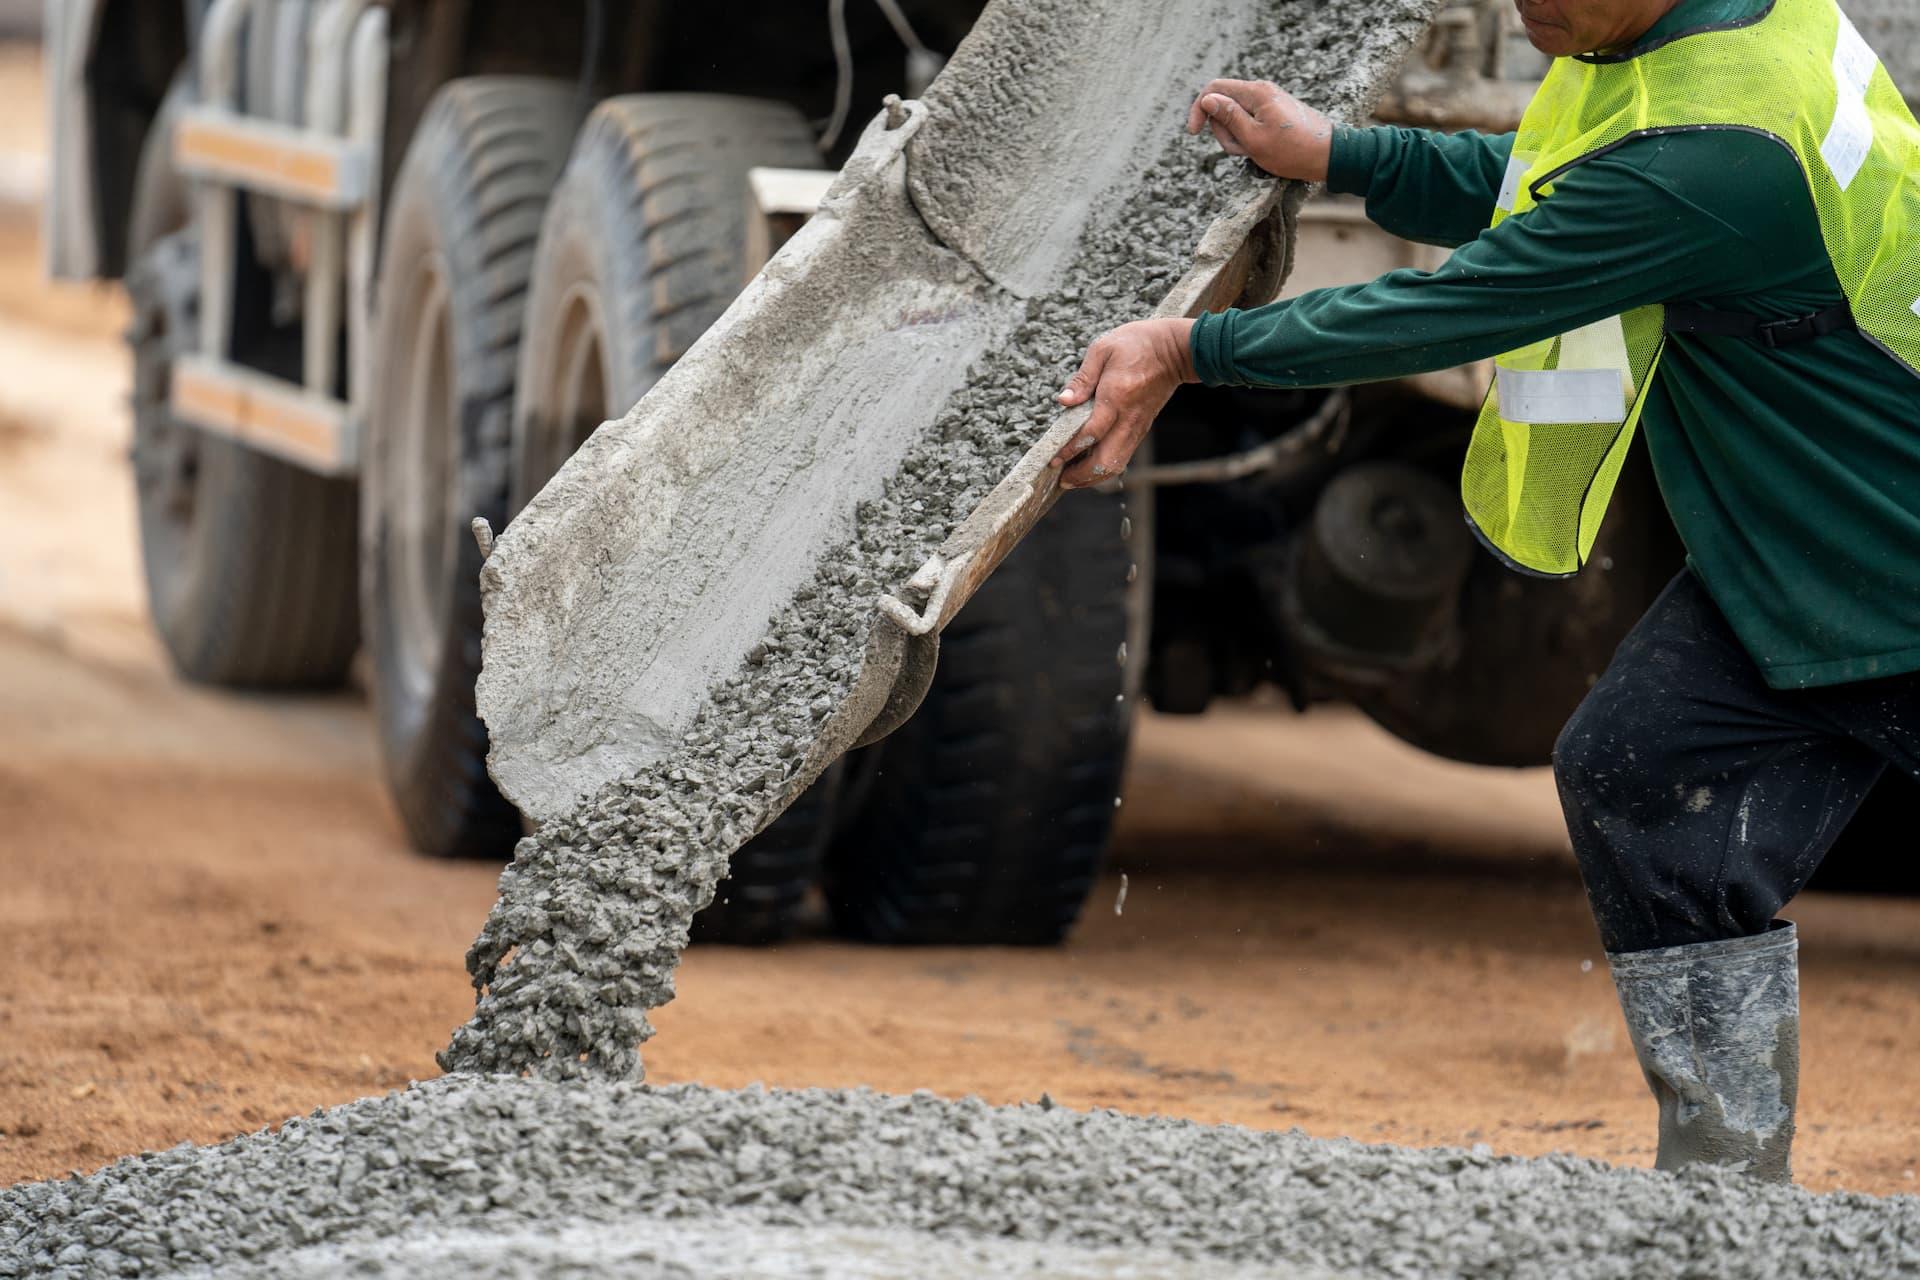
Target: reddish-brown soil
208 920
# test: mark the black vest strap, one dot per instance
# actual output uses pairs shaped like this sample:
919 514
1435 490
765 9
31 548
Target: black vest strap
1768 333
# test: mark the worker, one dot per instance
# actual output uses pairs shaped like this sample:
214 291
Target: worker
1707 226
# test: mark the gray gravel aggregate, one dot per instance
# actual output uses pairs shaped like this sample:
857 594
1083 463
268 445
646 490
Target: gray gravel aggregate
550 1172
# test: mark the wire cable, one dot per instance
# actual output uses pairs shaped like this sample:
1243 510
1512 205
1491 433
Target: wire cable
843 63
901 27
922 63
593 41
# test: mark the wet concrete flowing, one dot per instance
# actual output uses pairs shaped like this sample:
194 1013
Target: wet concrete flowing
595 909
526 1177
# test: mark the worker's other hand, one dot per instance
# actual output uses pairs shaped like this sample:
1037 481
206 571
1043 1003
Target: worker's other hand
1129 374
1267 125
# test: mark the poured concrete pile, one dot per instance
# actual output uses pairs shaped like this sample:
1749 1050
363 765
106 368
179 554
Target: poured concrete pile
678 626
470 1177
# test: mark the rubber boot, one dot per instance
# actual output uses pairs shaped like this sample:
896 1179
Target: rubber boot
1716 1027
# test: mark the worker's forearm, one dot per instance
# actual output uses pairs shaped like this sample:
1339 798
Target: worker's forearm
1395 327
1436 188
1602 246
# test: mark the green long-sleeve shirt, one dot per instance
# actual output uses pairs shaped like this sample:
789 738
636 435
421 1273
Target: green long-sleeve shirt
1793 475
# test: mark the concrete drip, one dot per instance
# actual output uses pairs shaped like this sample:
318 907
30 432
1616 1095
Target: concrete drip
595 908
529 1178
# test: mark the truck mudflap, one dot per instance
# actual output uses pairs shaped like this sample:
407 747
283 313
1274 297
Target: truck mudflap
642 577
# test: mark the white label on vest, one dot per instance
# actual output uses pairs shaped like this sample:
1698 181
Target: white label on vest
1557 397
1916 306
1854 60
1517 168
1849 141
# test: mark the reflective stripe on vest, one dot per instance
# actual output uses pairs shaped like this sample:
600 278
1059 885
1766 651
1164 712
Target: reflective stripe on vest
1591 382
1560 417
1559 397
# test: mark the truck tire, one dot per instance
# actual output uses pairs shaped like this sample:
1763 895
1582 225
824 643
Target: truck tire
248 560
462 221
985 818
643 247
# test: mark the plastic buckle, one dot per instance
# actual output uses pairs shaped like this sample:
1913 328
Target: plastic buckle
1774 334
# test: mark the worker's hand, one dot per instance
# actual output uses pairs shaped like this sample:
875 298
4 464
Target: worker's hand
1267 125
1130 374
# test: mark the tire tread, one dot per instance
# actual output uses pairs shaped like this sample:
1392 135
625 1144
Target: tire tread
486 157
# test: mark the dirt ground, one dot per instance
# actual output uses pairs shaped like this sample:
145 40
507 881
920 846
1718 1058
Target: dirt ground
209 920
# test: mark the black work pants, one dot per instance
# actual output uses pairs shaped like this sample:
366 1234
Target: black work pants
1698 799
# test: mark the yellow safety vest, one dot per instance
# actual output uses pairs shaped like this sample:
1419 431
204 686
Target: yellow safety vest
1554 432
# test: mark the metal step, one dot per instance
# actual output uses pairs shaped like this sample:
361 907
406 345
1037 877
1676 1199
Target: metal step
270 414
316 169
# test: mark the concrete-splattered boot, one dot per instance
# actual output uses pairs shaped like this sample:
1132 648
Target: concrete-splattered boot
1716 1027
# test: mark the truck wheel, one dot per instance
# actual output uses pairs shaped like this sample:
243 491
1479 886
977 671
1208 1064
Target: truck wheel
461 225
985 818
643 247
248 560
